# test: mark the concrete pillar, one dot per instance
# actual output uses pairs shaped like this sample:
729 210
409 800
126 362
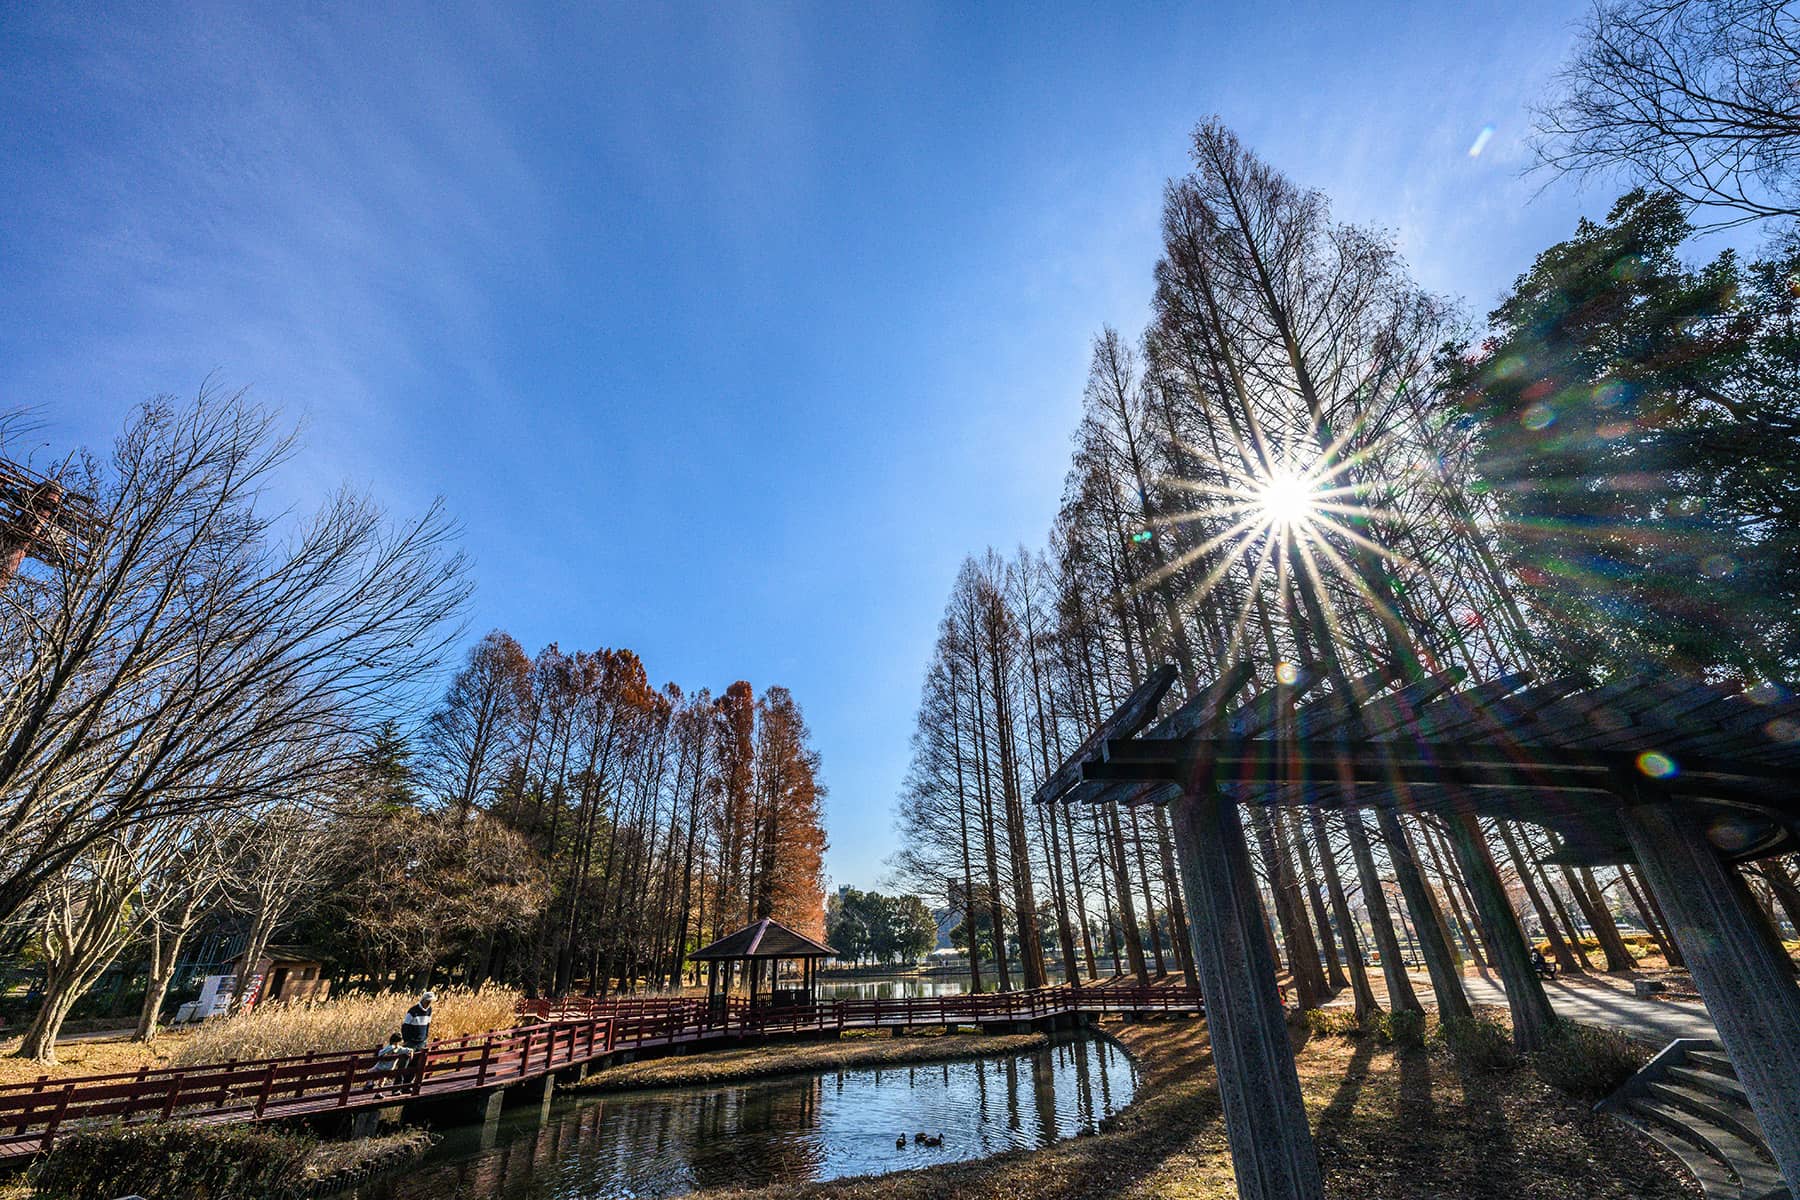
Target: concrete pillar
1272 1151
1749 992
1446 981
486 1105
1532 1016
546 1092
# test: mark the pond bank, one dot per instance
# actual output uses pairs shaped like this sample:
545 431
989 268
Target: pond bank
1389 1123
808 1122
863 1049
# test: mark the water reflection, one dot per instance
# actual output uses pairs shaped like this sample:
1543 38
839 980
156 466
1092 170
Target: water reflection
897 987
803 1127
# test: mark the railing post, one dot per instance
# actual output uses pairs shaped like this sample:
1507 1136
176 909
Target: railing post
169 1100
56 1117
268 1085
487 1052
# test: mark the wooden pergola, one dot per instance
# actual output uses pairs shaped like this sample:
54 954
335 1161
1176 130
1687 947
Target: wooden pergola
765 942
1681 777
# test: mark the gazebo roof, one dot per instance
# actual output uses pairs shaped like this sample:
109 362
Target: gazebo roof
767 938
1562 753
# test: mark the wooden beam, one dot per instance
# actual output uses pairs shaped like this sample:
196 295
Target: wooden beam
1127 719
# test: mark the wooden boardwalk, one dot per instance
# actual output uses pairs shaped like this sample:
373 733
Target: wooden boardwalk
561 1035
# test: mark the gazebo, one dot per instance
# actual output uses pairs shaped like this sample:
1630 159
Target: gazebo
1685 778
766 941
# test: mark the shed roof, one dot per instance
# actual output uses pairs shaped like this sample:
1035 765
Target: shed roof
767 938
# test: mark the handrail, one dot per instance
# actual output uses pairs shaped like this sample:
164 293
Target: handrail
33 1114
559 1033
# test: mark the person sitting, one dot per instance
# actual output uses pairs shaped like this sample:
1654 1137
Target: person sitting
390 1063
1543 966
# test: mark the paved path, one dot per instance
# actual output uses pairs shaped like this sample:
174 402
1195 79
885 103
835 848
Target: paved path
1607 1001
1603 1000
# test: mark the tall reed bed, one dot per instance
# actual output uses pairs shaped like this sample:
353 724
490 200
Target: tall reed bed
345 1022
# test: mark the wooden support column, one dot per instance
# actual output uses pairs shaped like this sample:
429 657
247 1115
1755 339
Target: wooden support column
1750 994
1532 1016
1272 1151
1445 981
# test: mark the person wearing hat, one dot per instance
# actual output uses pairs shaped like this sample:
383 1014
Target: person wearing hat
415 1030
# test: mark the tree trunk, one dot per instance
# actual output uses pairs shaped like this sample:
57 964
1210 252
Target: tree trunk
1134 944
1447 875
1532 1017
1559 948
1593 907
1334 970
1445 982
1651 917
1184 950
1156 950
1290 915
1401 997
1340 911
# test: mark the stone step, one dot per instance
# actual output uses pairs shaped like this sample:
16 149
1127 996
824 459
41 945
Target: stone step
1710 1081
1709 1106
1713 1061
1716 1181
1745 1159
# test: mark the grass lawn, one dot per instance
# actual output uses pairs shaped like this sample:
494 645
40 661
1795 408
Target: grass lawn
1389 1124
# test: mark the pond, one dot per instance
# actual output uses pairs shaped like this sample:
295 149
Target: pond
895 987
791 1129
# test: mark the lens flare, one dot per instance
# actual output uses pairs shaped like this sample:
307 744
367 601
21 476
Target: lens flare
1287 500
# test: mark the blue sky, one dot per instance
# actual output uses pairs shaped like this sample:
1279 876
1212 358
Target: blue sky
725 331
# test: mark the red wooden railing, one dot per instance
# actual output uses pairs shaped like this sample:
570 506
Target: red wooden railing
33 1114
563 1033
655 1020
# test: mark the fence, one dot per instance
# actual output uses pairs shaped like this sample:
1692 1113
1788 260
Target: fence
33 1114
563 1033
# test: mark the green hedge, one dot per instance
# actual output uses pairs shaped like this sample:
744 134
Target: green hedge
172 1161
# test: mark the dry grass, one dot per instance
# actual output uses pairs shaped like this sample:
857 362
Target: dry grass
1389 1124
329 1160
351 1022
736 1066
108 1057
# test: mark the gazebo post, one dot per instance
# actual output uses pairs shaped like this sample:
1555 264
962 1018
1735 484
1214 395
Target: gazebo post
1452 1000
1750 994
1272 1150
1532 1016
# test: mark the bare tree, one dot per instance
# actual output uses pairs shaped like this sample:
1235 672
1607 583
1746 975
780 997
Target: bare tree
199 630
190 886
286 860
1695 96
469 735
92 910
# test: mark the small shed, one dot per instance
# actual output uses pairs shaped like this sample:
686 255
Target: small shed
766 942
287 975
